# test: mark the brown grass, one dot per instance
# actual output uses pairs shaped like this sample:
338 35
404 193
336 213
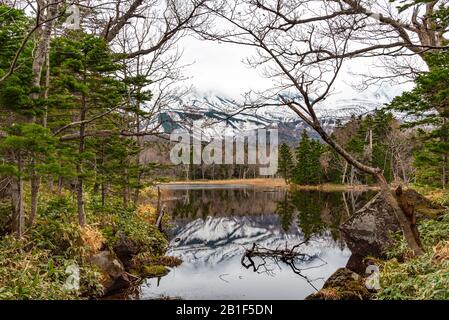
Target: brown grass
92 238
441 252
252 182
169 261
279 183
335 187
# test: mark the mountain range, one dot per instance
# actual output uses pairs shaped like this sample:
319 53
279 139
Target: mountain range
222 116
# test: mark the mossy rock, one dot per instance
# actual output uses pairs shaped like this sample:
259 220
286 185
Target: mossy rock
147 258
168 261
154 271
423 207
343 285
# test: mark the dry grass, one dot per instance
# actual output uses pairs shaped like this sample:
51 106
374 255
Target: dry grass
92 238
276 183
169 261
335 187
148 213
252 182
441 252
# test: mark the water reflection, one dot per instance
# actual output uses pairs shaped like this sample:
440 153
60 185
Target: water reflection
214 227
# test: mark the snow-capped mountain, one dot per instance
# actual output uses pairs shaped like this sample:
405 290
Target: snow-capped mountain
223 116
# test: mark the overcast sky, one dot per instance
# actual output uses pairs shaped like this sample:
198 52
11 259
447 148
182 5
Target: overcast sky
218 68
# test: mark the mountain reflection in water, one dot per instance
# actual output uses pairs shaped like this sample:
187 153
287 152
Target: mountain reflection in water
214 227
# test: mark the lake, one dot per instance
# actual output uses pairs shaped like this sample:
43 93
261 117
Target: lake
214 225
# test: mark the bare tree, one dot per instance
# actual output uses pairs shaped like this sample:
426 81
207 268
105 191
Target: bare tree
161 72
397 37
304 58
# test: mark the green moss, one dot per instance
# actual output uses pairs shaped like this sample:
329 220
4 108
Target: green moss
155 271
114 219
169 261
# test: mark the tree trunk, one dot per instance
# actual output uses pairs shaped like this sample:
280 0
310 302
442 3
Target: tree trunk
79 167
80 199
60 185
126 187
41 57
35 183
103 194
138 162
17 201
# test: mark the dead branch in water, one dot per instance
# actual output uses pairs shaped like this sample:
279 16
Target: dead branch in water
291 257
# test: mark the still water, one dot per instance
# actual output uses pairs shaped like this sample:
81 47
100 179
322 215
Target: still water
214 225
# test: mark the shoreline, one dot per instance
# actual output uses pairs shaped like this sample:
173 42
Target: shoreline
277 183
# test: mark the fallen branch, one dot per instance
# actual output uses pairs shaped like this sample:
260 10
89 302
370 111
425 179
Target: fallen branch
290 257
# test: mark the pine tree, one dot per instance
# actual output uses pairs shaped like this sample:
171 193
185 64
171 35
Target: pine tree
301 170
428 106
285 162
23 144
85 85
308 169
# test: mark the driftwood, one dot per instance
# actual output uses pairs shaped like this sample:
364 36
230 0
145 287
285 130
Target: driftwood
266 257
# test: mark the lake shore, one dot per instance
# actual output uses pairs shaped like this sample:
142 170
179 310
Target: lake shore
278 183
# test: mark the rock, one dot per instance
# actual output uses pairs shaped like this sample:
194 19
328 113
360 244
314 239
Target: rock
368 231
108 263
424 208
343 285
115 277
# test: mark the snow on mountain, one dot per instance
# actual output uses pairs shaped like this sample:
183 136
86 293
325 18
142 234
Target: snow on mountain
214 115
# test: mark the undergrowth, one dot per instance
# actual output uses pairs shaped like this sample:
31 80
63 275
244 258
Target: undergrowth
35 266
425 277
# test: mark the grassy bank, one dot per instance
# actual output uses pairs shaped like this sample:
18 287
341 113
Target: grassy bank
35 266
424 277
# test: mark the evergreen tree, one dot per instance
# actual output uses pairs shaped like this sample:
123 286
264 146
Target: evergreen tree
23 144
86 86
308 167
428 107
285 162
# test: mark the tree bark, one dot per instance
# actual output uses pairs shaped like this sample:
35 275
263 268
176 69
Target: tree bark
79 167
41 57
35 184
17 200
